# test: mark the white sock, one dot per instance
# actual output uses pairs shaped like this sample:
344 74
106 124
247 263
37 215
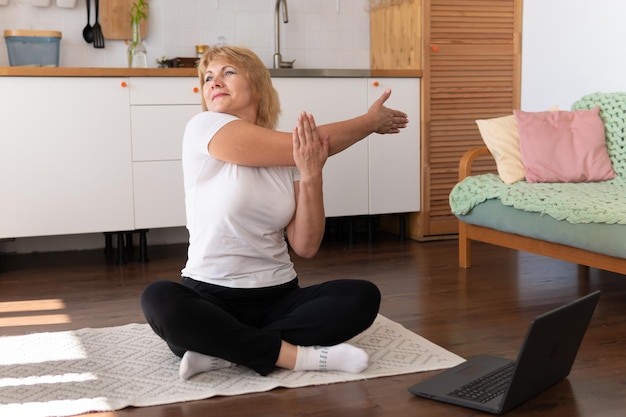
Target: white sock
193 363
342 357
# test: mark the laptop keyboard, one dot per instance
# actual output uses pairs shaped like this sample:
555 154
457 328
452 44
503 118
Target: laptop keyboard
486 387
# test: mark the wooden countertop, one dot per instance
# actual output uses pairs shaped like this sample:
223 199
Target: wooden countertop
192 72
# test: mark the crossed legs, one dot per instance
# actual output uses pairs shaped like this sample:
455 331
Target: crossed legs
211 326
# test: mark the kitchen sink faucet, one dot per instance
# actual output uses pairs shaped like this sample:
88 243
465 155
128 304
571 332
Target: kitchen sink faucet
278 59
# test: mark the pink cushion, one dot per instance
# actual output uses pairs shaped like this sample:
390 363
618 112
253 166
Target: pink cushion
563 146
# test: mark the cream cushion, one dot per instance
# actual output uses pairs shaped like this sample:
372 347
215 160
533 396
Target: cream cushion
501 135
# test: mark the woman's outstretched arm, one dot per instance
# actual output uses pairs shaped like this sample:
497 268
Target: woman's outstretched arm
244 143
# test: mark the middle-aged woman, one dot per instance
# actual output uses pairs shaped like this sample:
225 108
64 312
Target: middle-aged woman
239 301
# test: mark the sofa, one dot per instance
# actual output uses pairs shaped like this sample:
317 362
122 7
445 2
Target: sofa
560 187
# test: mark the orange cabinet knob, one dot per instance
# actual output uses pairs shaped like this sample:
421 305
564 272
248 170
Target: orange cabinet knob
375 83
123 84
435 48
196 89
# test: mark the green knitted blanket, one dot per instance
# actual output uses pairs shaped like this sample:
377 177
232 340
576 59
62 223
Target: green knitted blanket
594 202
597 202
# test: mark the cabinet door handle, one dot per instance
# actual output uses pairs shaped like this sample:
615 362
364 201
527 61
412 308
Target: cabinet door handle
434 48
196 89
123 84
375 83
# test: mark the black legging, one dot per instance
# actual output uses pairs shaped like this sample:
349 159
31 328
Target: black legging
246 326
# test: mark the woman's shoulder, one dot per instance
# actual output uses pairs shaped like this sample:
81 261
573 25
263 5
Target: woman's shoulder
201 128
207 123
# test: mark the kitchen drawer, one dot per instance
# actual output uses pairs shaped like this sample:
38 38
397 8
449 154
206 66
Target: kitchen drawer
157 131
159 194
164 90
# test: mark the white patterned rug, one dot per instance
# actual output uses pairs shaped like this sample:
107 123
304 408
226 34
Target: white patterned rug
74 372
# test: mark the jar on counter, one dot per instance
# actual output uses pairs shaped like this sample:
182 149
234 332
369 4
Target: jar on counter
201 49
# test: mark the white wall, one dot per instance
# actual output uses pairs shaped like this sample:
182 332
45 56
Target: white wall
320 33
571 48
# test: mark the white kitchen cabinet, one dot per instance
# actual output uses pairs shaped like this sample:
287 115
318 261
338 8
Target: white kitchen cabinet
103 154
394 160
160 109
64 156
330 100
157 131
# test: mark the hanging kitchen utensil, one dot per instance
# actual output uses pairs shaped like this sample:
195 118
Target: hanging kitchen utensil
88 30
98 37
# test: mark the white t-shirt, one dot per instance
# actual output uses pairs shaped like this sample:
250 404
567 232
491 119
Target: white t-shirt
236 214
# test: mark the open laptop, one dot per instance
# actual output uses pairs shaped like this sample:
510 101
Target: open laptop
546 358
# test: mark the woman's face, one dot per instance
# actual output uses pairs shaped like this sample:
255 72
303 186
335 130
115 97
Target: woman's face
227 90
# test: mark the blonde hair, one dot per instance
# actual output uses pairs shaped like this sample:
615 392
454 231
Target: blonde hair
258 76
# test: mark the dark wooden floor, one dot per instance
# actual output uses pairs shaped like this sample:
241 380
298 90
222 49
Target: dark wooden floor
485 309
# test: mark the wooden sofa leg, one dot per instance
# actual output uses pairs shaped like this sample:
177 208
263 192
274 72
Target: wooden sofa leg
464 246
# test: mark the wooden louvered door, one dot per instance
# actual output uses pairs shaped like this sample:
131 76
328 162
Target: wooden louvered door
472 65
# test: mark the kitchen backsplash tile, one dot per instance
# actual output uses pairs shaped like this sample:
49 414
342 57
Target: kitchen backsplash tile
320 33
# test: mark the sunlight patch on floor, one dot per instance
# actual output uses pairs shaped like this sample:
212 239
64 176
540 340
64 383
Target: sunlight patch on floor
47 379
20 313
31 305
66 347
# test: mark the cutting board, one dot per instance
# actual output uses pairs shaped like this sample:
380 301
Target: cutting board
115 19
